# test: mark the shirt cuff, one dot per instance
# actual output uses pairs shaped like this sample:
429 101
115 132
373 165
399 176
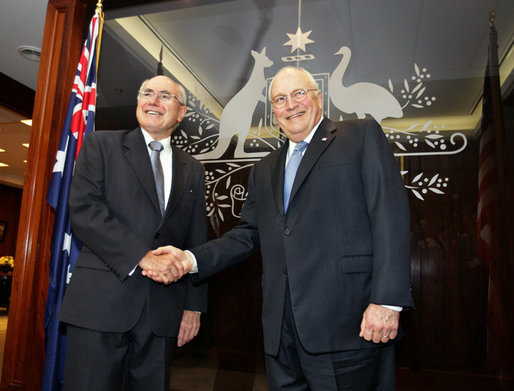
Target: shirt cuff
393 307
192 259
132 271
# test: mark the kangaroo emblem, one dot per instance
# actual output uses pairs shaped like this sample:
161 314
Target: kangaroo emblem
236 117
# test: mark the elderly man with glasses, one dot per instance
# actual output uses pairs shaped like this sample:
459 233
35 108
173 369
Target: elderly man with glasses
131 192
329 213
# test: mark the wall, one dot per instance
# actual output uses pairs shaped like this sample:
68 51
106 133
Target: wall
449 282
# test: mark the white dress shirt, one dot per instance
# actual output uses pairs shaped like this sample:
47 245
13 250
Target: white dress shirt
165 156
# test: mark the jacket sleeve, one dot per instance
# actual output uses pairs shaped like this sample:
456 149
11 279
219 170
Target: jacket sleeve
388 211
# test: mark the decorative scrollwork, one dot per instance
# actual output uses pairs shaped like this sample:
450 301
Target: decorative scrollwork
429 136
221 193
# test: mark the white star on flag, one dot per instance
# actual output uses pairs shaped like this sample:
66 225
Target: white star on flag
298 40
67 243
68 275
60 159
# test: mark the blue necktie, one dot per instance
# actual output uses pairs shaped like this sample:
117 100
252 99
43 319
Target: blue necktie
291 168
158 174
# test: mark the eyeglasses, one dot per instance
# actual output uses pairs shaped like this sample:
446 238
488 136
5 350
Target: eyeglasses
164 97
297 95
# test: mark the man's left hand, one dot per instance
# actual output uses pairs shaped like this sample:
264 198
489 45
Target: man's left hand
379 324
189 327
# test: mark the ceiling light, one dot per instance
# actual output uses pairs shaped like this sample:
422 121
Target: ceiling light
26 122
31 53
3 165
26 145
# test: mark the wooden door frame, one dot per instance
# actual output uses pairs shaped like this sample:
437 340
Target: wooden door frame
24 348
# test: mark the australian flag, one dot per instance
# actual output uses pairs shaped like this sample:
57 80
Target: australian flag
79 122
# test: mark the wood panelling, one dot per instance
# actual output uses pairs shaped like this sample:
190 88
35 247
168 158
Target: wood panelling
449 281
24 350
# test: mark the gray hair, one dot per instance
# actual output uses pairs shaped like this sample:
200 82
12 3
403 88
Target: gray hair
182 95
310 78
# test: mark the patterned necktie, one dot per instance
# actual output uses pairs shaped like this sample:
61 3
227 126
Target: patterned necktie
158 174
292 166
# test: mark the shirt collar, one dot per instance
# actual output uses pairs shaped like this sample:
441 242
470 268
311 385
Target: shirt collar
307 139
166 142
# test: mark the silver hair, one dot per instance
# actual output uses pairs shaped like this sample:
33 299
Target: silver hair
310 78
182 95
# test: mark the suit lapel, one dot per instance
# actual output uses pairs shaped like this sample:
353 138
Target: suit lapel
136 153
319 143
179 181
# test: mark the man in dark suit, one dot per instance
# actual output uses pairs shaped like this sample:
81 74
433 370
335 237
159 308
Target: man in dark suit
122 326
335 252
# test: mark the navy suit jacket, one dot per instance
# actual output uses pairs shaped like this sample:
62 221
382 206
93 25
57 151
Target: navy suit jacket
343 243
115 213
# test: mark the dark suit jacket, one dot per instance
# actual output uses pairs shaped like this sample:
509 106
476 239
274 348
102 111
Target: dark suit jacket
343 243
115 213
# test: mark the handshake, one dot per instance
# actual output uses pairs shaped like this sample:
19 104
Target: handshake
166 264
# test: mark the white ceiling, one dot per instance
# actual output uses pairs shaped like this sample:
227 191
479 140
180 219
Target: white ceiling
21 24
212 41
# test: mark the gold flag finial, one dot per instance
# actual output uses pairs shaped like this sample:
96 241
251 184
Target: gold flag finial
100 13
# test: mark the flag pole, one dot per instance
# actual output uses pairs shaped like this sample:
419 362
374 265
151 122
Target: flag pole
496 100
99 11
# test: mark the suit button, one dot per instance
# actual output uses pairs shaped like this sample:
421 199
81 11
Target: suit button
284 270
288 232
157 235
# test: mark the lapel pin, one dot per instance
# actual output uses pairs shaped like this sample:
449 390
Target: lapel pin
324 139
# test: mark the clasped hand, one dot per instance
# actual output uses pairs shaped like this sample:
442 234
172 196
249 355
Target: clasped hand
165 264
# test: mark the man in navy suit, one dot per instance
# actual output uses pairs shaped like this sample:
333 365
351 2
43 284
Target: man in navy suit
122 326
335 252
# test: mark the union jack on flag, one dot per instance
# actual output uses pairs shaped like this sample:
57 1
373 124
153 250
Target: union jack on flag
79 122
